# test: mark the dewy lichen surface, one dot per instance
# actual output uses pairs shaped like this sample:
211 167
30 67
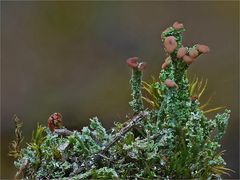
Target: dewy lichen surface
168 136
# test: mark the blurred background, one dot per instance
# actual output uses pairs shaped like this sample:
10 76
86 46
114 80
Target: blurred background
69 57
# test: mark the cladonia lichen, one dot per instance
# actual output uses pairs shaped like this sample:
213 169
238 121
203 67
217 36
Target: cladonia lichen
168 135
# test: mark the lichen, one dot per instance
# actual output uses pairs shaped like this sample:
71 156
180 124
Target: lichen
170 139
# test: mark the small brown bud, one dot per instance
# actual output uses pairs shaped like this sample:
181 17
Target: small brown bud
135 64
169 83
181 52
178 26
187 59
203 48
170 44
194 98
132 62
164 65
193 53
167 61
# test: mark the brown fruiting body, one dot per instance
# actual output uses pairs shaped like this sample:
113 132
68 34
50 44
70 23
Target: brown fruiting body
187 59
194 98
178 26
169 83
164 65
193 53
181 52
132 62
203 48
170 44
167 61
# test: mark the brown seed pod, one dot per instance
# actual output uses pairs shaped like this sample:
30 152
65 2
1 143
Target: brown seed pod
202 48
178 26
170 44
54 121
169 83
193 53
181 52
187 59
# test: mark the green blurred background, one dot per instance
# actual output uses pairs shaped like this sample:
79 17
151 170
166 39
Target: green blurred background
69 57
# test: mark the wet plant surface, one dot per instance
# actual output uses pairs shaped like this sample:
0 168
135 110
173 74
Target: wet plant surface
168 135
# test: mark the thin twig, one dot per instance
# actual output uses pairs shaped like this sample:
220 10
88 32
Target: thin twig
134 121
66 132
63 132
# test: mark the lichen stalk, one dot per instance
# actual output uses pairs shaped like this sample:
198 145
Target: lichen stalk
136 81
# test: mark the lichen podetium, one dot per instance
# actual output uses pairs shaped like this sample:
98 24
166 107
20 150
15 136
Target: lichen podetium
167 137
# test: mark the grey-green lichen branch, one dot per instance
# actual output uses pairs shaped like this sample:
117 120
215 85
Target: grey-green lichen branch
136 83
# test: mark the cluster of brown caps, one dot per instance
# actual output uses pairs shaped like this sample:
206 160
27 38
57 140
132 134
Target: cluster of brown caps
135 64
188 55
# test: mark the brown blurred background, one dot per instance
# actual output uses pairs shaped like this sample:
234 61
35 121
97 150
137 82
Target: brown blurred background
69 57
